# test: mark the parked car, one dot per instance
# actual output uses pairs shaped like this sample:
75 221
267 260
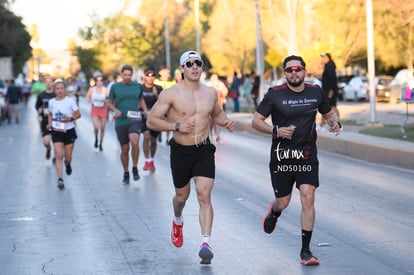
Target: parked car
342 81
356 89
313 81
383 88
398 83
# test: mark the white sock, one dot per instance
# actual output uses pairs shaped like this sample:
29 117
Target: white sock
147 159
206 239
178 220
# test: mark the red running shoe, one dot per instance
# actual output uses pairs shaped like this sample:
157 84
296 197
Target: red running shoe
177 234
152 166
147 166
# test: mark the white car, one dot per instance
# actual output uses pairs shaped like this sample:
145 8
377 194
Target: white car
357 89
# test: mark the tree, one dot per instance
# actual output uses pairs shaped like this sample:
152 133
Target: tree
14 39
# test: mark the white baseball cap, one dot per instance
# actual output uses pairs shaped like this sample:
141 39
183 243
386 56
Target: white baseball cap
187 55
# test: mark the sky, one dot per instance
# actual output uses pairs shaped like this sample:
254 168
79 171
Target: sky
59 20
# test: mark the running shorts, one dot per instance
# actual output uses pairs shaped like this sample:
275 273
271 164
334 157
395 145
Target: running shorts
287 172
123 131
67 137
191 161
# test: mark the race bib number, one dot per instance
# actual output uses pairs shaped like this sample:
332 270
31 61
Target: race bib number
134 115
99 103
58 126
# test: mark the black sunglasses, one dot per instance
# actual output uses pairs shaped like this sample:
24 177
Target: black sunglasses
190 64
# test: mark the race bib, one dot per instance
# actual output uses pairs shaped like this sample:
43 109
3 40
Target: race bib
134 115
98 103
58 126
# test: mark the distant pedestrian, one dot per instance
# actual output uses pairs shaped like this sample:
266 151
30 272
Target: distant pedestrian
38 86
125 100
235 92
329 84
255 89
13 98
293 107
189 105
63 111
222 92
99 110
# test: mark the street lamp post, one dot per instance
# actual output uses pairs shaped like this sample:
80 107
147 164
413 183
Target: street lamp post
259 49
371 62
197 24
167 37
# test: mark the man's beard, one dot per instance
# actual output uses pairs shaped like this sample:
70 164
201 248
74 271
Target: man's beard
295 83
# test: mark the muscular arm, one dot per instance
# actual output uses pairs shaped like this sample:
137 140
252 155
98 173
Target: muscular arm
220 118
156 116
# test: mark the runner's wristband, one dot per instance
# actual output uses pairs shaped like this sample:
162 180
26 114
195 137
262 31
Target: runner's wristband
275 129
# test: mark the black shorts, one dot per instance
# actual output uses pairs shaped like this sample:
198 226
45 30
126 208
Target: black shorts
285 173
123 131
43 128
67 137
191 161
152 132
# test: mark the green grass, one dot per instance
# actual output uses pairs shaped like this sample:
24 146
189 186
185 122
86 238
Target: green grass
391 131
349 122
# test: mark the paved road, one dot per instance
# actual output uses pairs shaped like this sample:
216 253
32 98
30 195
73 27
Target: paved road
99 226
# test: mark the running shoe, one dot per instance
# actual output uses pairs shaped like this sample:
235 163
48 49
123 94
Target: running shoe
269 221
68 168
307 258
61 184
206 254
152 166
96 143
177 234
126 178
48 151
100 147
147 166
135 173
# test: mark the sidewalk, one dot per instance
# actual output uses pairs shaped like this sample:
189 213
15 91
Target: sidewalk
386 151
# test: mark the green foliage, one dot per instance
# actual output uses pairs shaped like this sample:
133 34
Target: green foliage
14 39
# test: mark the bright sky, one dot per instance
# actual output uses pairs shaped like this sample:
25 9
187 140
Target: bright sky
59 20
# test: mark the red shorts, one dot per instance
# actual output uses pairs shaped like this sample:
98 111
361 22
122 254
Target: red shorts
101 112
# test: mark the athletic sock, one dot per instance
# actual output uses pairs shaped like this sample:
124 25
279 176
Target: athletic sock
206 239
306 238
178 220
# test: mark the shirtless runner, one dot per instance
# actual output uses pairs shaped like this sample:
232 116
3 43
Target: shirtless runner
189 105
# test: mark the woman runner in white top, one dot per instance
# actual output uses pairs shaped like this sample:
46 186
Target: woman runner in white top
63 111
